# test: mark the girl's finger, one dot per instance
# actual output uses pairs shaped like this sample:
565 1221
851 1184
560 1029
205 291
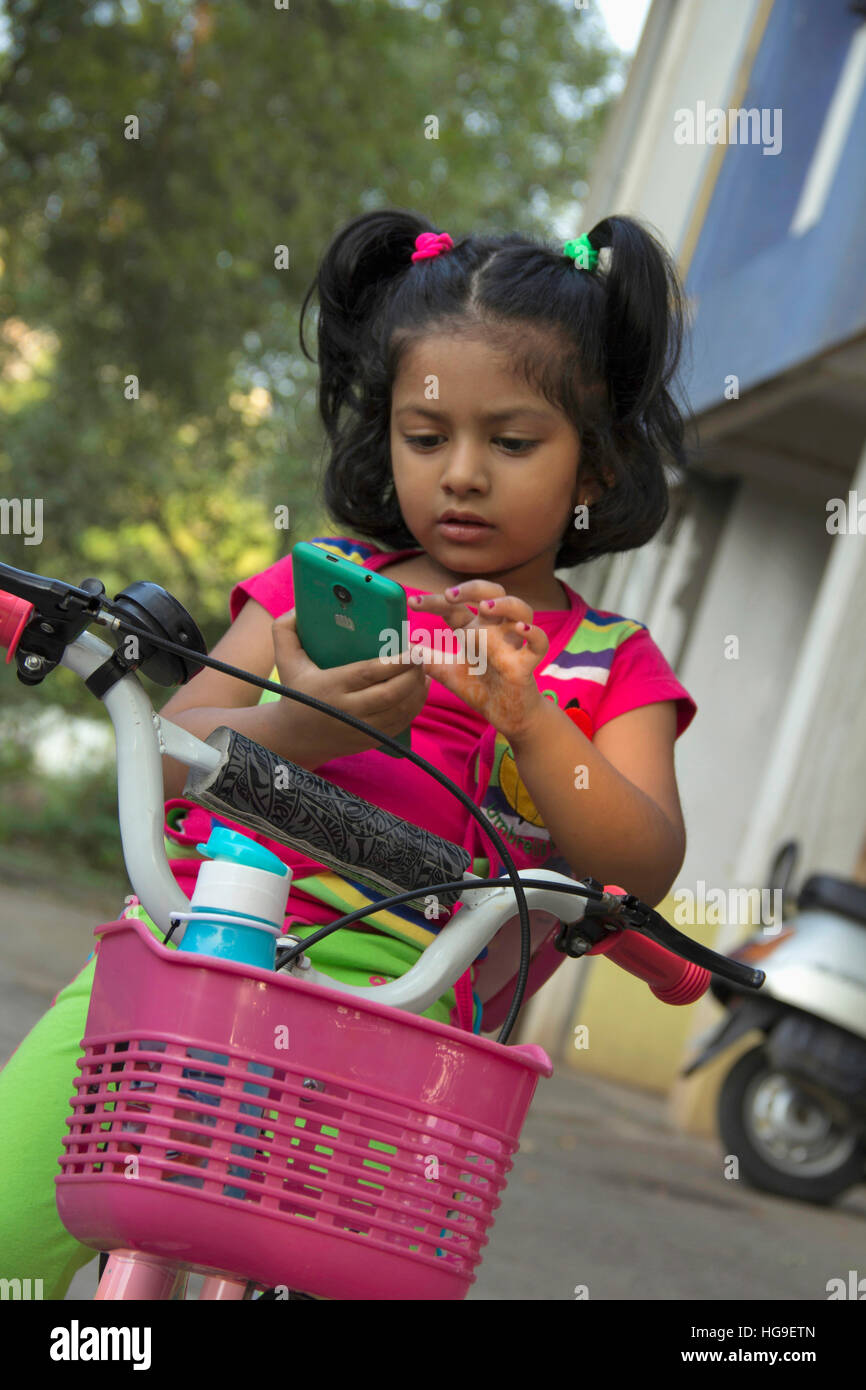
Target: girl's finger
361 675
536 638
471 590
452 612
286 622
520 637
452 605
287 643
507 607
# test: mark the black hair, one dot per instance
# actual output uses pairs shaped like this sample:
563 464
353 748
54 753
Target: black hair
601 345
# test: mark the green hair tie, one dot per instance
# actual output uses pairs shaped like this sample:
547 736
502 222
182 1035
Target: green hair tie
582 252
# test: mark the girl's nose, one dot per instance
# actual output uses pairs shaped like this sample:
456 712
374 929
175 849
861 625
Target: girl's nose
465 466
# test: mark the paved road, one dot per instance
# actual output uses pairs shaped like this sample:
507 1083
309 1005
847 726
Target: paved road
44 939
603 1193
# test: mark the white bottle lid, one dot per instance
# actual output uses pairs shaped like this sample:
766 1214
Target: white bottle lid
242 890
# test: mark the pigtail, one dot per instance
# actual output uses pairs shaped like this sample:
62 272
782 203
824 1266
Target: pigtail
363 257
643 331
633 333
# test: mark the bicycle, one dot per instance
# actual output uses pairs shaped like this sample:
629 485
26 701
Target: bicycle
368 1159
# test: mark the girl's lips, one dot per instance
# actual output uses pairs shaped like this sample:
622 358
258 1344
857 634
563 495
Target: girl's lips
464 530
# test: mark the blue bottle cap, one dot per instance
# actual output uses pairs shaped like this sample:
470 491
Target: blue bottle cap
231 844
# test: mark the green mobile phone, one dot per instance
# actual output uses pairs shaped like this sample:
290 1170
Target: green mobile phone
341 608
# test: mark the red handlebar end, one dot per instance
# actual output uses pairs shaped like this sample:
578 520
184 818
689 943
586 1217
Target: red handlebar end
670 978
694 984
15 614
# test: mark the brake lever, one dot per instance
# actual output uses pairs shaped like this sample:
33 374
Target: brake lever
62 612
639 917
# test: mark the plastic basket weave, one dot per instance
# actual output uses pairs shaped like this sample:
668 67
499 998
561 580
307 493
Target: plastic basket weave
237 1121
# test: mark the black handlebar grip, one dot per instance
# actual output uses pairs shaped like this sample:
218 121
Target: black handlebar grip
257 788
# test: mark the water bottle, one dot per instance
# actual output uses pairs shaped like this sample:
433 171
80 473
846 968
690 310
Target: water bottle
251 883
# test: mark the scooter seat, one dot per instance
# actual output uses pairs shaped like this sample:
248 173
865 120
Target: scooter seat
840 895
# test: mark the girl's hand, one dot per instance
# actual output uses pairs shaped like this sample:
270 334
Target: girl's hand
383 693
492 670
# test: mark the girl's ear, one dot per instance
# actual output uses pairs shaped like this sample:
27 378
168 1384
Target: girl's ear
601 481
588 489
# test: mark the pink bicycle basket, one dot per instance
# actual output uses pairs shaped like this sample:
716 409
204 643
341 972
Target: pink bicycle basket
233 1120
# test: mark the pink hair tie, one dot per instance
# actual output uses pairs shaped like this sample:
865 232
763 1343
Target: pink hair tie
430 244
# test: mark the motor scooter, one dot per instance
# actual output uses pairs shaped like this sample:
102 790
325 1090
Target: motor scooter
793 1108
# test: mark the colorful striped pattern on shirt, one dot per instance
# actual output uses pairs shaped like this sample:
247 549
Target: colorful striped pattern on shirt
356 551
345 894
589 652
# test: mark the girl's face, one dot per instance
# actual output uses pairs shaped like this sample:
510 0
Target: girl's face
482 442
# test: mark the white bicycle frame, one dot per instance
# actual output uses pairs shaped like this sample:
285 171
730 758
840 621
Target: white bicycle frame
142 737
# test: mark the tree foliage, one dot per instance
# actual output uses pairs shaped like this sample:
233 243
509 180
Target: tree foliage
153 257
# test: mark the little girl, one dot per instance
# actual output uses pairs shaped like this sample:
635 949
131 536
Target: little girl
496 409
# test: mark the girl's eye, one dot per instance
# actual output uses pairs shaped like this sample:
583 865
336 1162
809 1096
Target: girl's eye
420 438
524 444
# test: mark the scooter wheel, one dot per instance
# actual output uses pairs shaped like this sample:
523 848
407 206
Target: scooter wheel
785 1141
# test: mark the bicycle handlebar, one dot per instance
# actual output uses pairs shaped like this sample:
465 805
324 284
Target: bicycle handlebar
255 787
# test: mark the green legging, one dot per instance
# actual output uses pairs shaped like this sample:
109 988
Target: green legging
37 1084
